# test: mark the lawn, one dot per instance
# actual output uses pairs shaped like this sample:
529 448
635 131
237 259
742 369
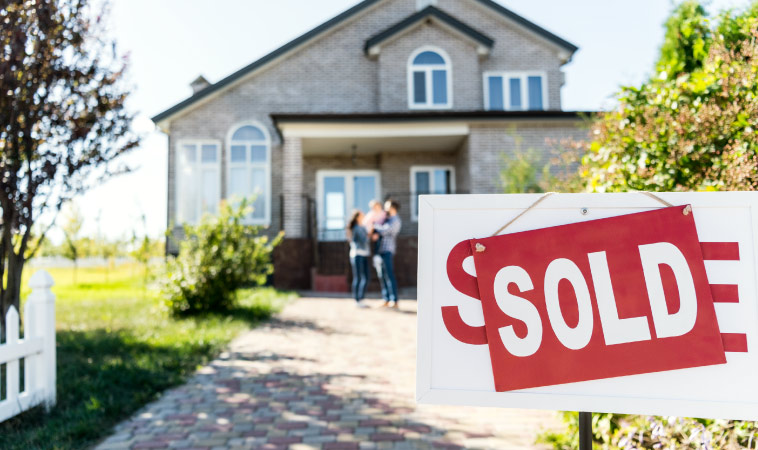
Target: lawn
118 348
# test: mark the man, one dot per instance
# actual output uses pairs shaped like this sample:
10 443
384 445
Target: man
387 247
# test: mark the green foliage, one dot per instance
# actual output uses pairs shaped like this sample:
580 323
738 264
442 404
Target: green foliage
686 41
519 173
528 171
217 257
144 249
72 227
118 351
604 426
734 26
618 431
695 132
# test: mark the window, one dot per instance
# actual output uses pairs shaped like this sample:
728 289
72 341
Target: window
198 175
430 180
515 91
249 169
339 193
429 80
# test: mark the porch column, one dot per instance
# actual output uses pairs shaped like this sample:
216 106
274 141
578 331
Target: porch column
293 187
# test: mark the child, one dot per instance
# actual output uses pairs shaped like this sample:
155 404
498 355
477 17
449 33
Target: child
376 216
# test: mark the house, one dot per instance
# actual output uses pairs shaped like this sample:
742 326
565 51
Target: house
391 98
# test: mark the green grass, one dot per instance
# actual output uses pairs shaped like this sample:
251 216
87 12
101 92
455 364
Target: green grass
117 349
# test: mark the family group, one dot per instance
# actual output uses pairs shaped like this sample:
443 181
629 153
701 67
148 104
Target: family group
374 233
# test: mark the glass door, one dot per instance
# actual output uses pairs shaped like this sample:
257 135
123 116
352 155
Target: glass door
341 192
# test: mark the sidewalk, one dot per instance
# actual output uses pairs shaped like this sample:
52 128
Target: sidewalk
323 374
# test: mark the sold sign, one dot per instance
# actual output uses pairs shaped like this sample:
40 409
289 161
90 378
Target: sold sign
606 298
591 302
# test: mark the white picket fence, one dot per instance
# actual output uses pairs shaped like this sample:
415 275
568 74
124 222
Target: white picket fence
37 349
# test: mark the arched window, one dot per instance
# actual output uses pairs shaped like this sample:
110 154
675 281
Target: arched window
249 169
429 79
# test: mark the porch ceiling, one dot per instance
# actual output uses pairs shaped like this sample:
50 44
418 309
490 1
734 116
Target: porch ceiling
371 146
366 138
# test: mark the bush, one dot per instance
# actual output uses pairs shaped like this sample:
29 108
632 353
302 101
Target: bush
529 171
629 432
693 132
217 257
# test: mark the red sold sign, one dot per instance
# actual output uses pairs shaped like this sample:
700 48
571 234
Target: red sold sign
599 299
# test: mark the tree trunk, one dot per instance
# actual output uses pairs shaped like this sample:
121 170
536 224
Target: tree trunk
12 294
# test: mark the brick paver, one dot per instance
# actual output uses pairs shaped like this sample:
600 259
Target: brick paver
322 375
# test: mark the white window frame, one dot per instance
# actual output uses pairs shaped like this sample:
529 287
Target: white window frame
428 69
430 169
266 220
198 166
524 76
349 190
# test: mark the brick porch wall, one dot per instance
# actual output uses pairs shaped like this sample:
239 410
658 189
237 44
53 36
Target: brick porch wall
293 263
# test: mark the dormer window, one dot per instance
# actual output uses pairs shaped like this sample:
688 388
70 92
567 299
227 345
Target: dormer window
515 91
429 79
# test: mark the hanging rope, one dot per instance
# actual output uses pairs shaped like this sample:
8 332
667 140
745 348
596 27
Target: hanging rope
537 202
655 197
548 194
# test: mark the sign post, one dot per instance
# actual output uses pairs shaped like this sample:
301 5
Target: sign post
590 302
585 431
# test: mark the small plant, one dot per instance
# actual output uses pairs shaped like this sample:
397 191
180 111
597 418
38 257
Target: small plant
217 257
529 171
519 174
71 228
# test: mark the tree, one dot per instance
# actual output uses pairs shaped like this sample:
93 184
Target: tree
519 172
72 227
531 171
105 248
142 251
695 132
108 250
686 41
63 120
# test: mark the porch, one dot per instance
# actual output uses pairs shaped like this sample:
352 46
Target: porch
342 167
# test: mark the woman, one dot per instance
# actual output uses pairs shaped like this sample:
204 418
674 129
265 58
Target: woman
359 256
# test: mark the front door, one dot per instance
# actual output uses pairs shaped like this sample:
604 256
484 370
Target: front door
339 194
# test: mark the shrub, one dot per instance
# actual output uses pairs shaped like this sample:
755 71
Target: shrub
217 257
693 132
629 432
529 171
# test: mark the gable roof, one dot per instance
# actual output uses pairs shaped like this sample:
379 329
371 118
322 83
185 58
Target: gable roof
326 26
423 15
530 25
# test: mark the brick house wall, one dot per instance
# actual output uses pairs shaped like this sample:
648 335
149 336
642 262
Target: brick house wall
331 74
515 49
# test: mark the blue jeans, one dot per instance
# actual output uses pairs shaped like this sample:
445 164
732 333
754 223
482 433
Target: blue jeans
360 276
386 272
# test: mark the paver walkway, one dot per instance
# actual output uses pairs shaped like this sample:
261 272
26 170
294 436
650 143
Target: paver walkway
323 374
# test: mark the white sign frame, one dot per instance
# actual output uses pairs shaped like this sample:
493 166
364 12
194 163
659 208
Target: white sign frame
484 214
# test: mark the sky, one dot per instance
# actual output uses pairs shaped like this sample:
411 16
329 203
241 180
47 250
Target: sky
171 42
